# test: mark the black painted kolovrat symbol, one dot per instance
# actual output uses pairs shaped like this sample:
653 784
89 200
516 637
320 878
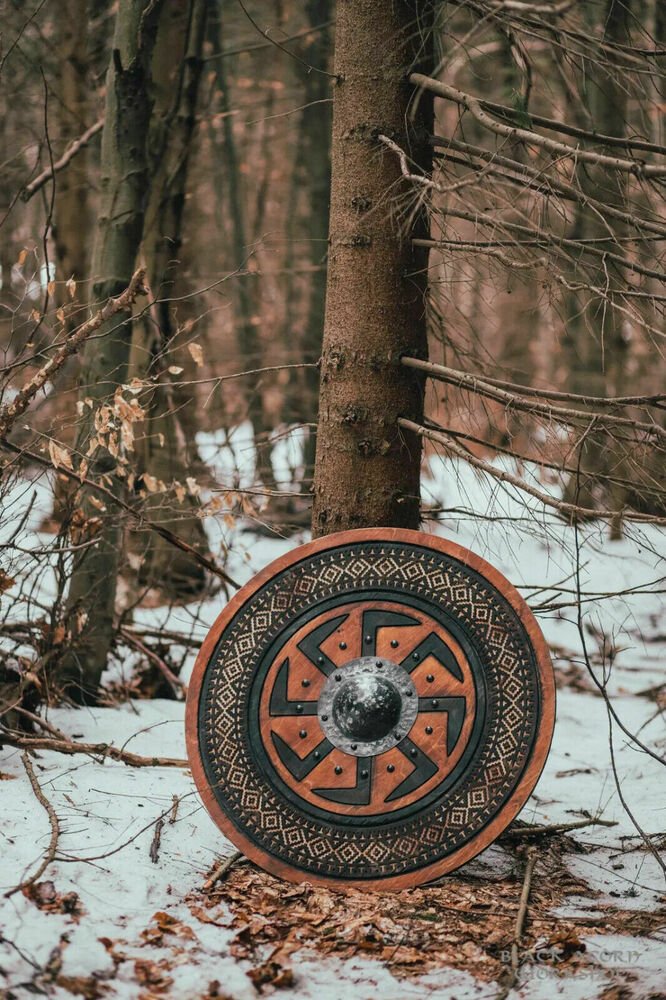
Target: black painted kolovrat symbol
376 728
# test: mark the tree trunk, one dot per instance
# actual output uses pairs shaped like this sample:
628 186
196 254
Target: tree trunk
248 339
72 215
124 183
367 469
317 121
595 338
165 453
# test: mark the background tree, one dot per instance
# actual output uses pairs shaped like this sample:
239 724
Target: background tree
124 178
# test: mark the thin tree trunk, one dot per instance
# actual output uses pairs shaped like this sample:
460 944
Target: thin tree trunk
72 214
317 122
249 342
595 339
124 182
165 452
73 217
367 469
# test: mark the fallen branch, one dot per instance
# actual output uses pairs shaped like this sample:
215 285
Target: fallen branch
529 830
100 750
75 147
10 412
154 852
512 976
55 829
221 870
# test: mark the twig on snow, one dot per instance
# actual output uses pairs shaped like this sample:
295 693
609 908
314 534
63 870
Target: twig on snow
156 841
221 870
93 749
529 830
512 971
55 828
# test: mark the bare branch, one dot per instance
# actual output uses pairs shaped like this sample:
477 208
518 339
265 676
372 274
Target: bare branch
75 147
570 509
10 412
98 750
562 414
55 829
513 132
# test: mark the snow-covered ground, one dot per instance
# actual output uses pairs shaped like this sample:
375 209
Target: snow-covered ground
141 927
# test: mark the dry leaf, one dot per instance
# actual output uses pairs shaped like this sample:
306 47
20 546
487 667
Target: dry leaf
70 285
60 457
197 354
174 370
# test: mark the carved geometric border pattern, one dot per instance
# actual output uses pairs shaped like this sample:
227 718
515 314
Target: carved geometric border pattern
512 712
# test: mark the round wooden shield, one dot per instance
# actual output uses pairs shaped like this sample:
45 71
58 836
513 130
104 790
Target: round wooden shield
372 709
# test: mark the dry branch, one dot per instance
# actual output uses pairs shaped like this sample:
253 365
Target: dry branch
10 412
75 147
561 414
512 972
175 683
533 830
535 179
71 747
572 510
513 132
55 828
221 870
141 521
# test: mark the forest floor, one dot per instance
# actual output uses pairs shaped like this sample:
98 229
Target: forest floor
122 911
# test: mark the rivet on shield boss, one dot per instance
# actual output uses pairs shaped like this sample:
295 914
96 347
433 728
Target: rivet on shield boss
373 709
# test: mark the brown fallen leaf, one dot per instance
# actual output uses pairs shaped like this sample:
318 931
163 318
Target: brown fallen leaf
152 975
272 973
87 987
165 923
46 898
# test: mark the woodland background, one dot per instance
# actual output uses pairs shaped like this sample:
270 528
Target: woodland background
157 453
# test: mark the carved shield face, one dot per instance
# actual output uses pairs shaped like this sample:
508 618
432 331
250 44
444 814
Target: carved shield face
372 709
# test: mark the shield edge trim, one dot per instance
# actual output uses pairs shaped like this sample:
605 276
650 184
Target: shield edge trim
523 789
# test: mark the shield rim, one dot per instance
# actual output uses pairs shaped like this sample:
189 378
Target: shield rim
511 807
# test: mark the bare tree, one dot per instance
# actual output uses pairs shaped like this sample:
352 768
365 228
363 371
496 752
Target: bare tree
92 590
165 452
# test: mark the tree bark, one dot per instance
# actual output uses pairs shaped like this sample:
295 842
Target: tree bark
165 451
316 126
595 341
124 182
367 469
72 214
247 327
